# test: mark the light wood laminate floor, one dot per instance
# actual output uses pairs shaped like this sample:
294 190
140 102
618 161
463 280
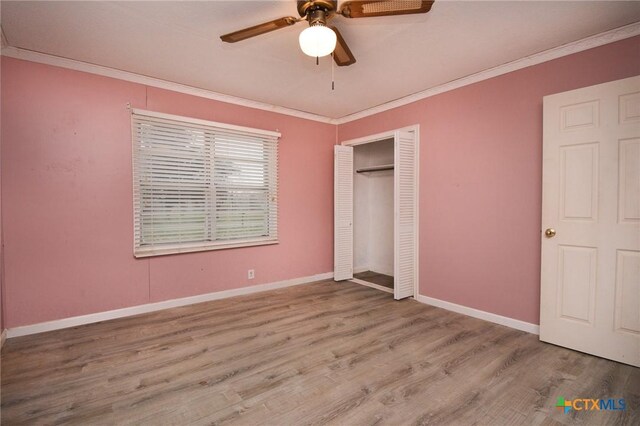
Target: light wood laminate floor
323 353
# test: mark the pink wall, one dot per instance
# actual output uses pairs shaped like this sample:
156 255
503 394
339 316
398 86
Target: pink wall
67 198
481 174
67 203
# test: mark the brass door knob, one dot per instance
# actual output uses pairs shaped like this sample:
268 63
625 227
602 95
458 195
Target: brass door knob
550 233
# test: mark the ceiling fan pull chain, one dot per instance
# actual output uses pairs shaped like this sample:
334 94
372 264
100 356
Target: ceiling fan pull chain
333 82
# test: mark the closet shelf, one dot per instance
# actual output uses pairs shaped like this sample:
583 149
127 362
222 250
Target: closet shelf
375 168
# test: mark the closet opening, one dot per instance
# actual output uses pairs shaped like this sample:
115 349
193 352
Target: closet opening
376 211
373 168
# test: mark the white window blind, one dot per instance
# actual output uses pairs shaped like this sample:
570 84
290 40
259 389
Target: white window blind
201 185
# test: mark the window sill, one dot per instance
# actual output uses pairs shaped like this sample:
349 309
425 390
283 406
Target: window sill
190 248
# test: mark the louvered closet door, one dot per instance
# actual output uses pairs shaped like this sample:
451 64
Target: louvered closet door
405 215
343 213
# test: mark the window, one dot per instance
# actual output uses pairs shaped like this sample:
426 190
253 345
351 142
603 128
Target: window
200 185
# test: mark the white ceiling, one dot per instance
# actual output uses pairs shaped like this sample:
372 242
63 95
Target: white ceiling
396 56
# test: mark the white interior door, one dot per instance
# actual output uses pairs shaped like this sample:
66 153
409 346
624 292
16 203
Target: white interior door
590 278
405 215
343 213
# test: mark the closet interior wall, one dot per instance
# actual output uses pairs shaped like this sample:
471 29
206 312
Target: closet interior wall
373 209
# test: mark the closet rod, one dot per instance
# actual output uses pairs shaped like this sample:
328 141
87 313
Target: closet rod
375 168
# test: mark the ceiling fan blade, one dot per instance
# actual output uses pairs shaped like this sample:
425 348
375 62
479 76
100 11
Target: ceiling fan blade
259 29
342 54
368 8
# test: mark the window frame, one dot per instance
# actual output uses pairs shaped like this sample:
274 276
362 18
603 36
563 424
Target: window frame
141 251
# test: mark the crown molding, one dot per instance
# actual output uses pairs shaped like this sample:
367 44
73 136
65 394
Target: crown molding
43 58
597 40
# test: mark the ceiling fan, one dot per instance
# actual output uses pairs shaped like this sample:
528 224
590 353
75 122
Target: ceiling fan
319 39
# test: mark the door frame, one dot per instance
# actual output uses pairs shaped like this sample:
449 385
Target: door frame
390 134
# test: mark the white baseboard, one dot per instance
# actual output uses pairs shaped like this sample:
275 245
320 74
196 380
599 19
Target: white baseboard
372 285
483 315
382 271
151 307
359 269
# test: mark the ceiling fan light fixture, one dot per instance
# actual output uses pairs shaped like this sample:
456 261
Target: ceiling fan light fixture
318 40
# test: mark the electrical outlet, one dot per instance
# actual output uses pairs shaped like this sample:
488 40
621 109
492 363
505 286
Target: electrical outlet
251 274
